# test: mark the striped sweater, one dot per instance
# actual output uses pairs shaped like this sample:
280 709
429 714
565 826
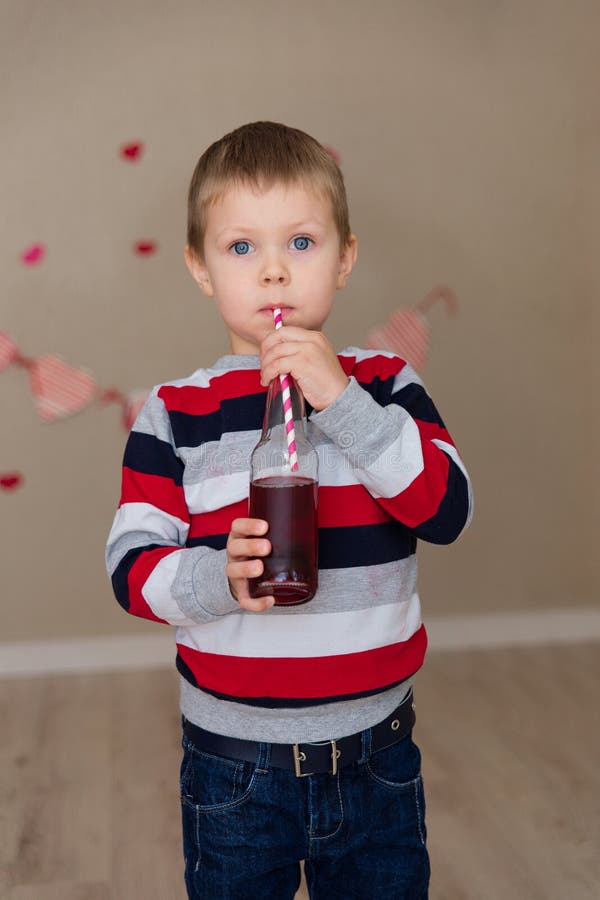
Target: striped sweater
389 474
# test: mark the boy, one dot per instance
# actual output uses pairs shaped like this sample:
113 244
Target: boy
297 722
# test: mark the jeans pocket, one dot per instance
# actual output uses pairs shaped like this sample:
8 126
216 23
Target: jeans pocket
213 783
396 770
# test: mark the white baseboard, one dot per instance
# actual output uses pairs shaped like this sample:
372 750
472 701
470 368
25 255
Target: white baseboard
448 633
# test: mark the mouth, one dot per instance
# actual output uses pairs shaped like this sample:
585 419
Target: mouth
285 310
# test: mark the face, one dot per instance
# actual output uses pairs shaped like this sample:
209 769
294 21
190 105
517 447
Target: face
266 249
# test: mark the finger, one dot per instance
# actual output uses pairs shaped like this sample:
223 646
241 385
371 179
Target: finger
289 333
241 548
239 589
256 604
284 361
244 527
240 570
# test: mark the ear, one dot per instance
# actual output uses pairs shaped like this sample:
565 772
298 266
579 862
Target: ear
198 271
348 257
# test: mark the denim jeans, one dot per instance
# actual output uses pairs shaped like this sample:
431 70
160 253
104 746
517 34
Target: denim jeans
361 832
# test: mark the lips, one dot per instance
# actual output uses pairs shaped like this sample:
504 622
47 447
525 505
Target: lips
285 310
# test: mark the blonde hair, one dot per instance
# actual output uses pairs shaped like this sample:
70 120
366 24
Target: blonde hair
262 154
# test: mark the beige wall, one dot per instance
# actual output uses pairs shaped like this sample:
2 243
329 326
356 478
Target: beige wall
469 139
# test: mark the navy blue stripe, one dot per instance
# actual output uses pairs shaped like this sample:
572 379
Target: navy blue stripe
191 430
215 541
356 545
147 454
448 522
413 398
364 545
416 401
244 413
237 414
280 702
185 670
120 577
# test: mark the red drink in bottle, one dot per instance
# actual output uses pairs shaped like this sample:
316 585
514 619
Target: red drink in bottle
289 504
284 470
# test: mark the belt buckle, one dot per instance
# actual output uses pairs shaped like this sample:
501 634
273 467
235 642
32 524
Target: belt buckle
300 757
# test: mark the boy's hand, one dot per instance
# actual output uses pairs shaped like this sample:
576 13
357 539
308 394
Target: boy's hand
311 360
243 544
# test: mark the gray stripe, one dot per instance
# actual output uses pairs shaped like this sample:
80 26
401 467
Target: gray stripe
362 587
288 726
200 587
153 419
130 541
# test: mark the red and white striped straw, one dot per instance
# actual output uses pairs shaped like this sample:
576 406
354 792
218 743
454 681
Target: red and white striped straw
288 412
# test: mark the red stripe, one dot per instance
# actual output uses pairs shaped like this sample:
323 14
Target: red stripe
159 491
232 385
348 505
383 367
431 430
307 678
196 400
340 506
421 499
217 521
137 578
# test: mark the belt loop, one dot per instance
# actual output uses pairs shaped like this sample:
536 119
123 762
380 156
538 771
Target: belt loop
365 738
264 757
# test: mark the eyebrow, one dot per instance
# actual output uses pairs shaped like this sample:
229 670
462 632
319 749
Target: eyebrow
304 225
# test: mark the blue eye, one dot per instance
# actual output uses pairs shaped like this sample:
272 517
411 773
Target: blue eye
301 243
240 248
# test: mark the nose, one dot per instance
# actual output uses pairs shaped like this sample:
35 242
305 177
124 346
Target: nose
274 271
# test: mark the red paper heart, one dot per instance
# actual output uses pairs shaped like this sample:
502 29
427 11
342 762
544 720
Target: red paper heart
8 350
406 333
334 154
132 151
10 481
59 389
132 406
33 255
145 248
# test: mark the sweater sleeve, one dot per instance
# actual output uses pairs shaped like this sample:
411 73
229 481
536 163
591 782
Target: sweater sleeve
393 438
153 574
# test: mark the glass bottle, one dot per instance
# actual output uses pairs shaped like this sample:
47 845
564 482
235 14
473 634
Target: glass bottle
283 492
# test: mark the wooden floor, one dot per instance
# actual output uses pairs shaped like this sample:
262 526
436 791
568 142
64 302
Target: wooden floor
511 745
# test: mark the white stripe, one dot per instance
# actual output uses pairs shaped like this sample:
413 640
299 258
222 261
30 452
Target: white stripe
213 493
459 633
157 590
453 454
400 463
406 376
326 634
209 494
144 517
200 378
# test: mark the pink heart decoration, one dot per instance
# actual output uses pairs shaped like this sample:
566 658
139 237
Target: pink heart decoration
33 255
132 406
145 248
334 154
133 151
10 481
59 389
8 350
406 333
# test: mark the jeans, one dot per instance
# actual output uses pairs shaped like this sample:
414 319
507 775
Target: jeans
361 832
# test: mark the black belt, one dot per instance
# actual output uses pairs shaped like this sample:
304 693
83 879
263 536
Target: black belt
309 759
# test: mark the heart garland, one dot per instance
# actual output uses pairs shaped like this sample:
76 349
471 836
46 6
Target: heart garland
60 390
406 332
